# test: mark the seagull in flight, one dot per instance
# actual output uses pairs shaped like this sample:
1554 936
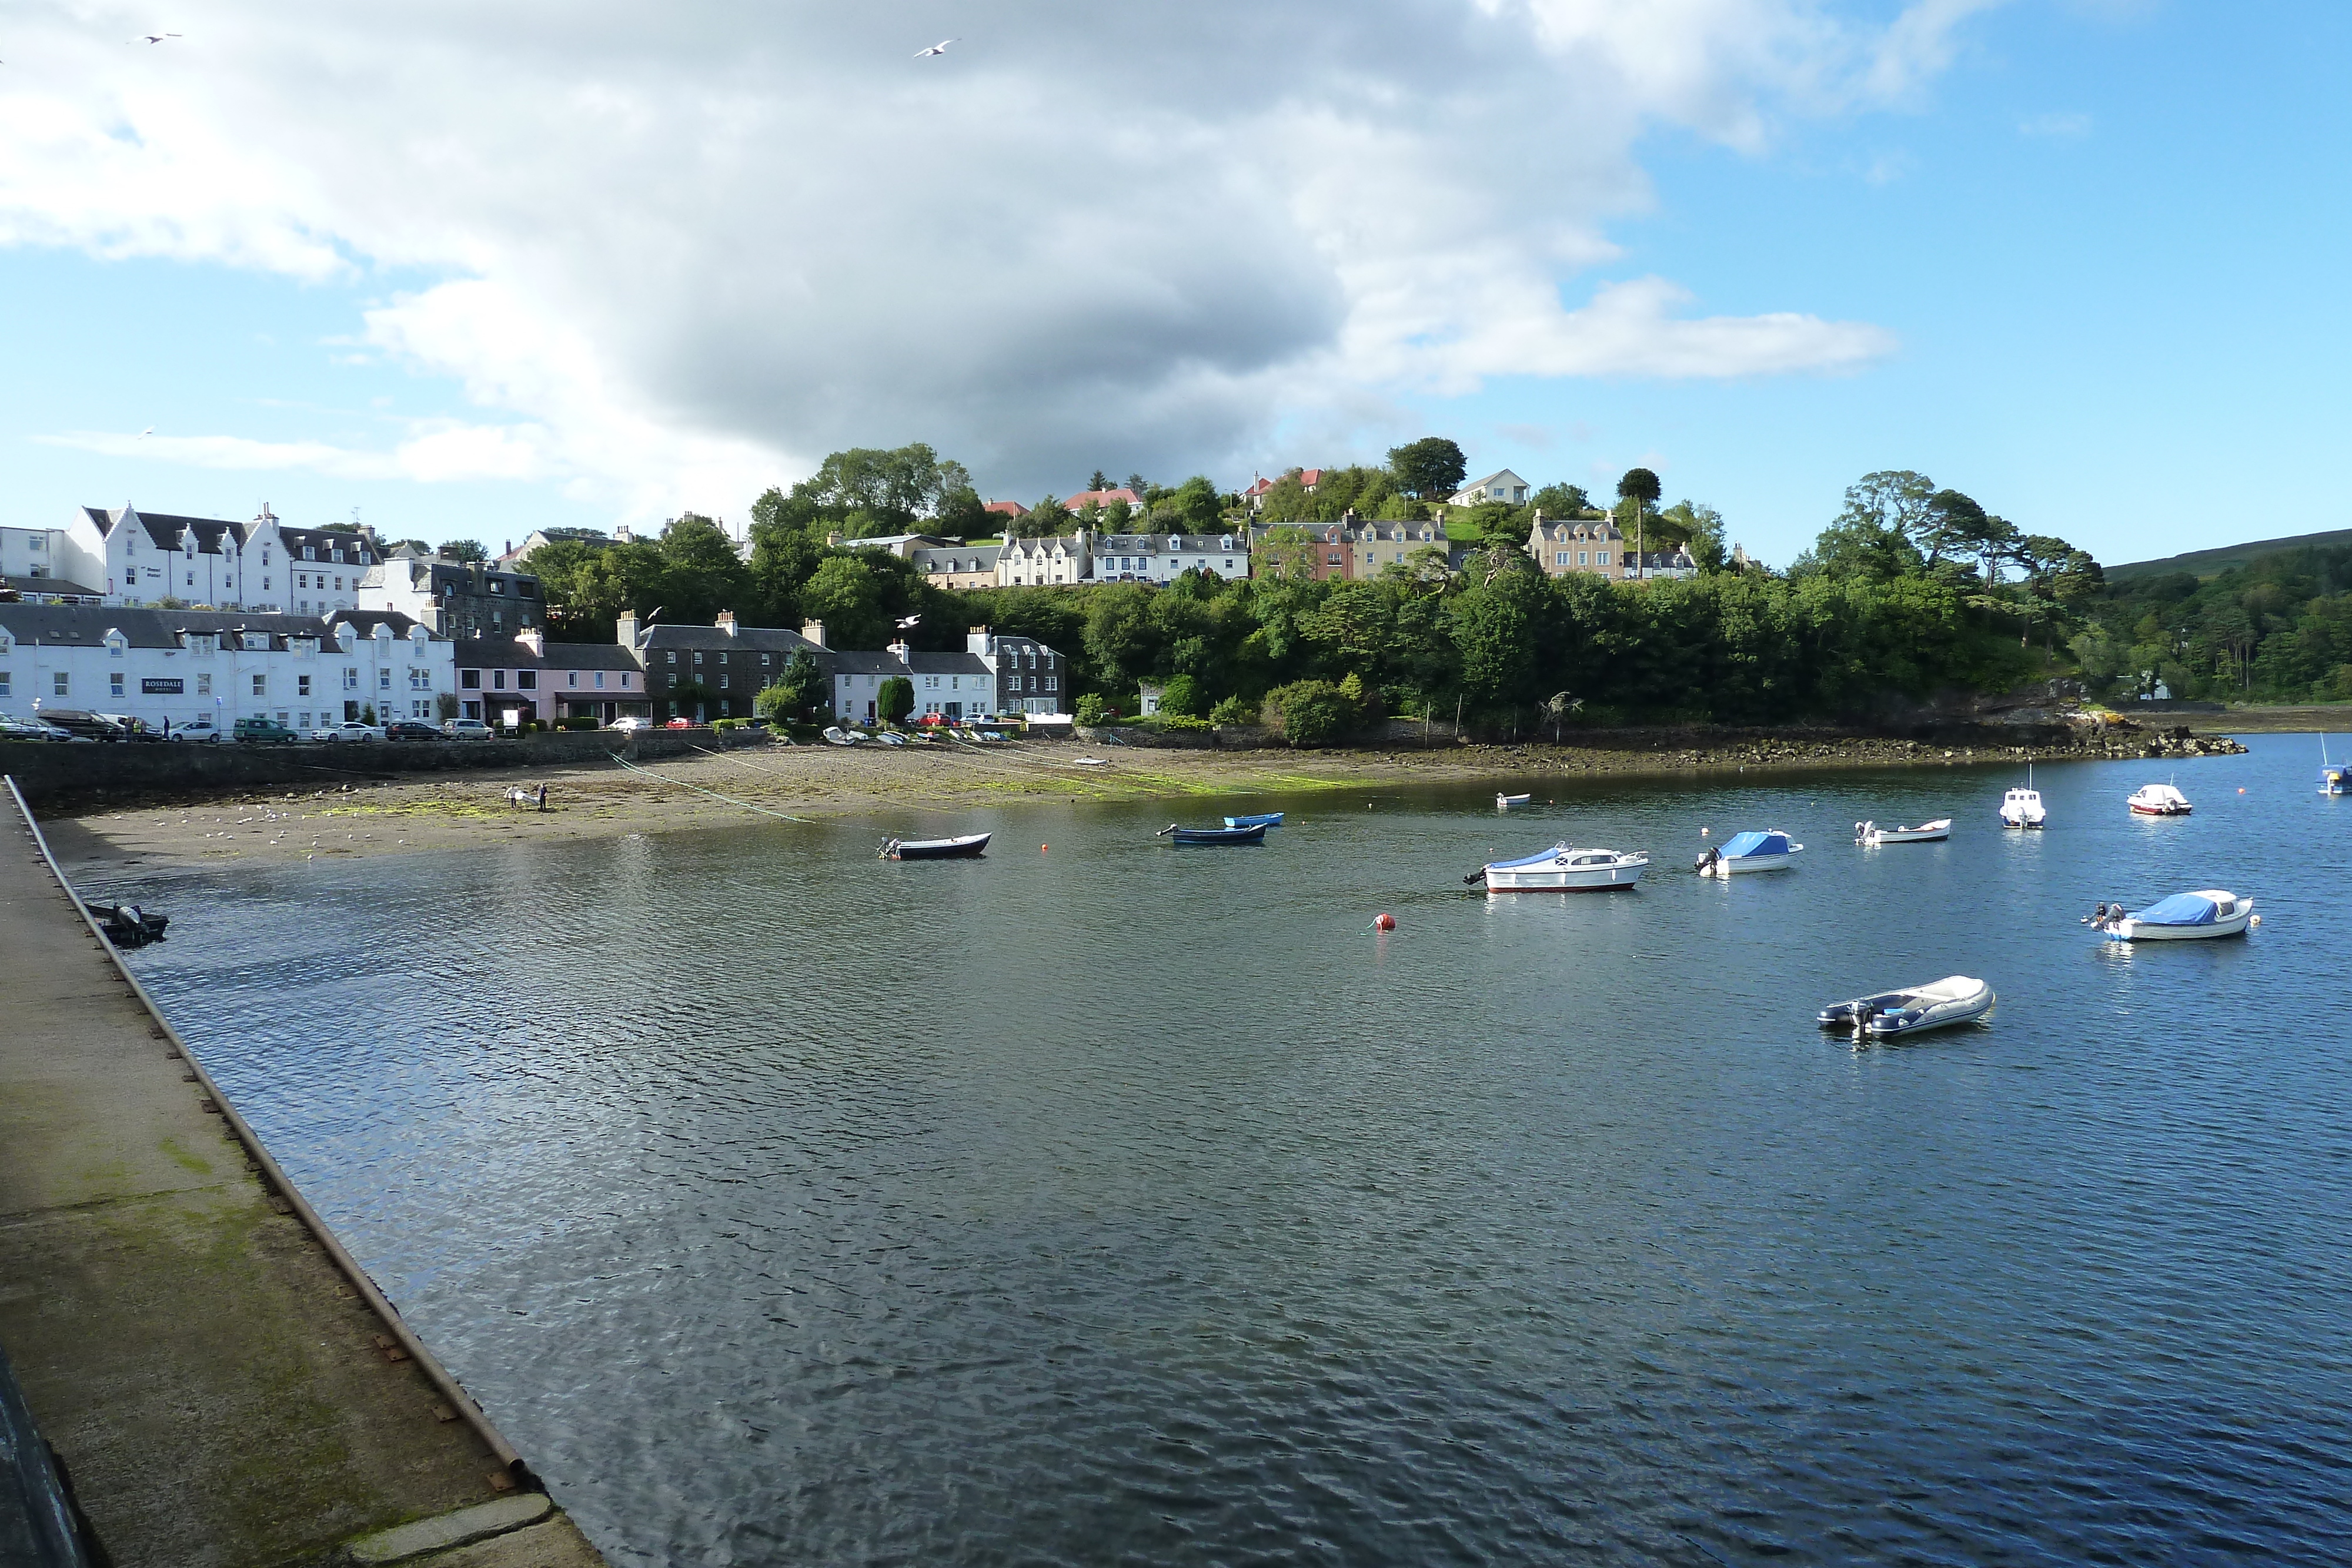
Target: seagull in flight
146 433
908 623
154 37
939 48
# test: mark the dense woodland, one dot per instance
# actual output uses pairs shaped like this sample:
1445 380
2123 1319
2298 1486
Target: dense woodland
2278 629
1911 592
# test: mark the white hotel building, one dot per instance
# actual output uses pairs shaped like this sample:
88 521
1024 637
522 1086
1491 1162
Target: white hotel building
169 667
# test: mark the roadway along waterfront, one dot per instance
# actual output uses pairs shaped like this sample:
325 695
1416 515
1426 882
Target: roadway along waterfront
1113 1202
220 1391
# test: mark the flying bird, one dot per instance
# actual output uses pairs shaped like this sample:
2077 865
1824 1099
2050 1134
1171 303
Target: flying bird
908 623
939 48
146 433
154 37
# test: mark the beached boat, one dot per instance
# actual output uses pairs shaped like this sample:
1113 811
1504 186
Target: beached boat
1912 1010
2184 917
1925 833
2021 806
964 848
1506 802
2158 801
1563 868
1213 835
1745 852
837 735
2335 777
1261 820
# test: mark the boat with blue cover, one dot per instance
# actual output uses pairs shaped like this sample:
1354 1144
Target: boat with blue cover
1563 869
2184 917
1258 819
1750 852
1256 835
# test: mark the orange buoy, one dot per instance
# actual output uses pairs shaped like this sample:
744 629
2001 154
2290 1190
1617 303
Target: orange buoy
1043 848
1384 923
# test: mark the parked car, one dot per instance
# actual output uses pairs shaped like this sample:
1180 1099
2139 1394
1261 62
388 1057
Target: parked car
130 728
411 729
30 729
679 723
464 729
633 722
264 731
196 729
350 729
83 726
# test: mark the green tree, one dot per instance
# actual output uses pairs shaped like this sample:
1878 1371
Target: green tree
1640 486
701 573
845 593
1232 710
884 491
1430 467
1181 697
1308 713
798 690
895 699
1560 501
464 549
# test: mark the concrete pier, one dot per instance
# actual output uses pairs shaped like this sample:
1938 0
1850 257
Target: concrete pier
224 1384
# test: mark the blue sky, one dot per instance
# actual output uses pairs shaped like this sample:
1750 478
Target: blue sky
2100 246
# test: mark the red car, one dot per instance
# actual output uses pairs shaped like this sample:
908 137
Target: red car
679 723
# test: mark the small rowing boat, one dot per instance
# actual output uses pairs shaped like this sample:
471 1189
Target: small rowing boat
1261 820
1506 802
964 848
1911 1009
1925 833
1213 835
2183 917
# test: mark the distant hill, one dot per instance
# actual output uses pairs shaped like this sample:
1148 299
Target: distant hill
2210 562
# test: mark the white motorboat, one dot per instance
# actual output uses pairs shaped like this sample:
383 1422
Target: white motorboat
1563 869
1925 833
1750 852
2021 806
1506 802
2158 800
1912 1010
837 735
2183 917
2335 777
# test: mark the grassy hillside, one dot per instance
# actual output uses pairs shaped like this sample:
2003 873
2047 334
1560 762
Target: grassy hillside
2226 557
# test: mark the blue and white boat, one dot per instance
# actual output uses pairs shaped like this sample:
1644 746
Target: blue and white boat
1213 835
1563 869
1912 1010
1750 851
2335 777
2184 917
1260 819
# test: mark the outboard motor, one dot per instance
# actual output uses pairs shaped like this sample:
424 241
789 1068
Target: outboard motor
1706 860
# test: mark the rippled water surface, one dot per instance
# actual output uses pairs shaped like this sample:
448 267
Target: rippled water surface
1119 1203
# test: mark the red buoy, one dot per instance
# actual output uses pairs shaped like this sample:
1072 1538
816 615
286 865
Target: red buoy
1384 923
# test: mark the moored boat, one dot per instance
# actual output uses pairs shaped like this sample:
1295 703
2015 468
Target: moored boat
1259 820
2183 917
2022 808
1925 833
2158 801
1563 869
964 848
1213 835
1744 853
2335 777
1506 802
1912 1010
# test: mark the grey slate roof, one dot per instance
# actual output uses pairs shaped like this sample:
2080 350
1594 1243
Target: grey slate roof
946 664
48 585
86 626
660 637
513 653
958 557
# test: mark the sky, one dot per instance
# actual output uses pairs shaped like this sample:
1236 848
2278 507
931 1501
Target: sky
464 271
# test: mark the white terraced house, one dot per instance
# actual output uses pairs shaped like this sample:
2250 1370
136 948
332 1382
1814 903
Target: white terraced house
170 667
133 557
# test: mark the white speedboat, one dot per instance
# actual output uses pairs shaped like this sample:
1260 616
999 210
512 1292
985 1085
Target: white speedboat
2335 777
1750 852
1912 1010
2183 917
1925 833
1563 869
1506 802
2158 801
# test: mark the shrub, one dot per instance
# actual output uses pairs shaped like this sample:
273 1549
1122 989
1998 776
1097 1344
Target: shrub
896 700
1181 697
583 722
728 723
1089 711
1166 720
1232 710
1308 713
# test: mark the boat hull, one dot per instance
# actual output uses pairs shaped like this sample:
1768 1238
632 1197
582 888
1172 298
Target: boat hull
1913 1009
1925 833
1565 879
967 848
1746 865
1262 820
1205 836
2137 931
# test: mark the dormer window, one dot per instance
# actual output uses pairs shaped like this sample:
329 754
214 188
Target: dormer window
310 553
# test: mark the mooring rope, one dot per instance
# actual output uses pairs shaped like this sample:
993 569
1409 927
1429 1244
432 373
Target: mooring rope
783 816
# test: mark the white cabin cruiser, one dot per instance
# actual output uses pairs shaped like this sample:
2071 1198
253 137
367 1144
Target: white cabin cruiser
1750 852
2183 917
2022 808
2158 801
1564 869
1925 833
1912 1010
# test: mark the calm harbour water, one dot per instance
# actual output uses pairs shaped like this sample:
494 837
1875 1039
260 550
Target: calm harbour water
1118 1203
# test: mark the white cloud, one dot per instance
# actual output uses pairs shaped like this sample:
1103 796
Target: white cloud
685 252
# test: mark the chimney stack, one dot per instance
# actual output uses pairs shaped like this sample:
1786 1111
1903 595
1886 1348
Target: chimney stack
725 621
625 630
532 638
815 632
